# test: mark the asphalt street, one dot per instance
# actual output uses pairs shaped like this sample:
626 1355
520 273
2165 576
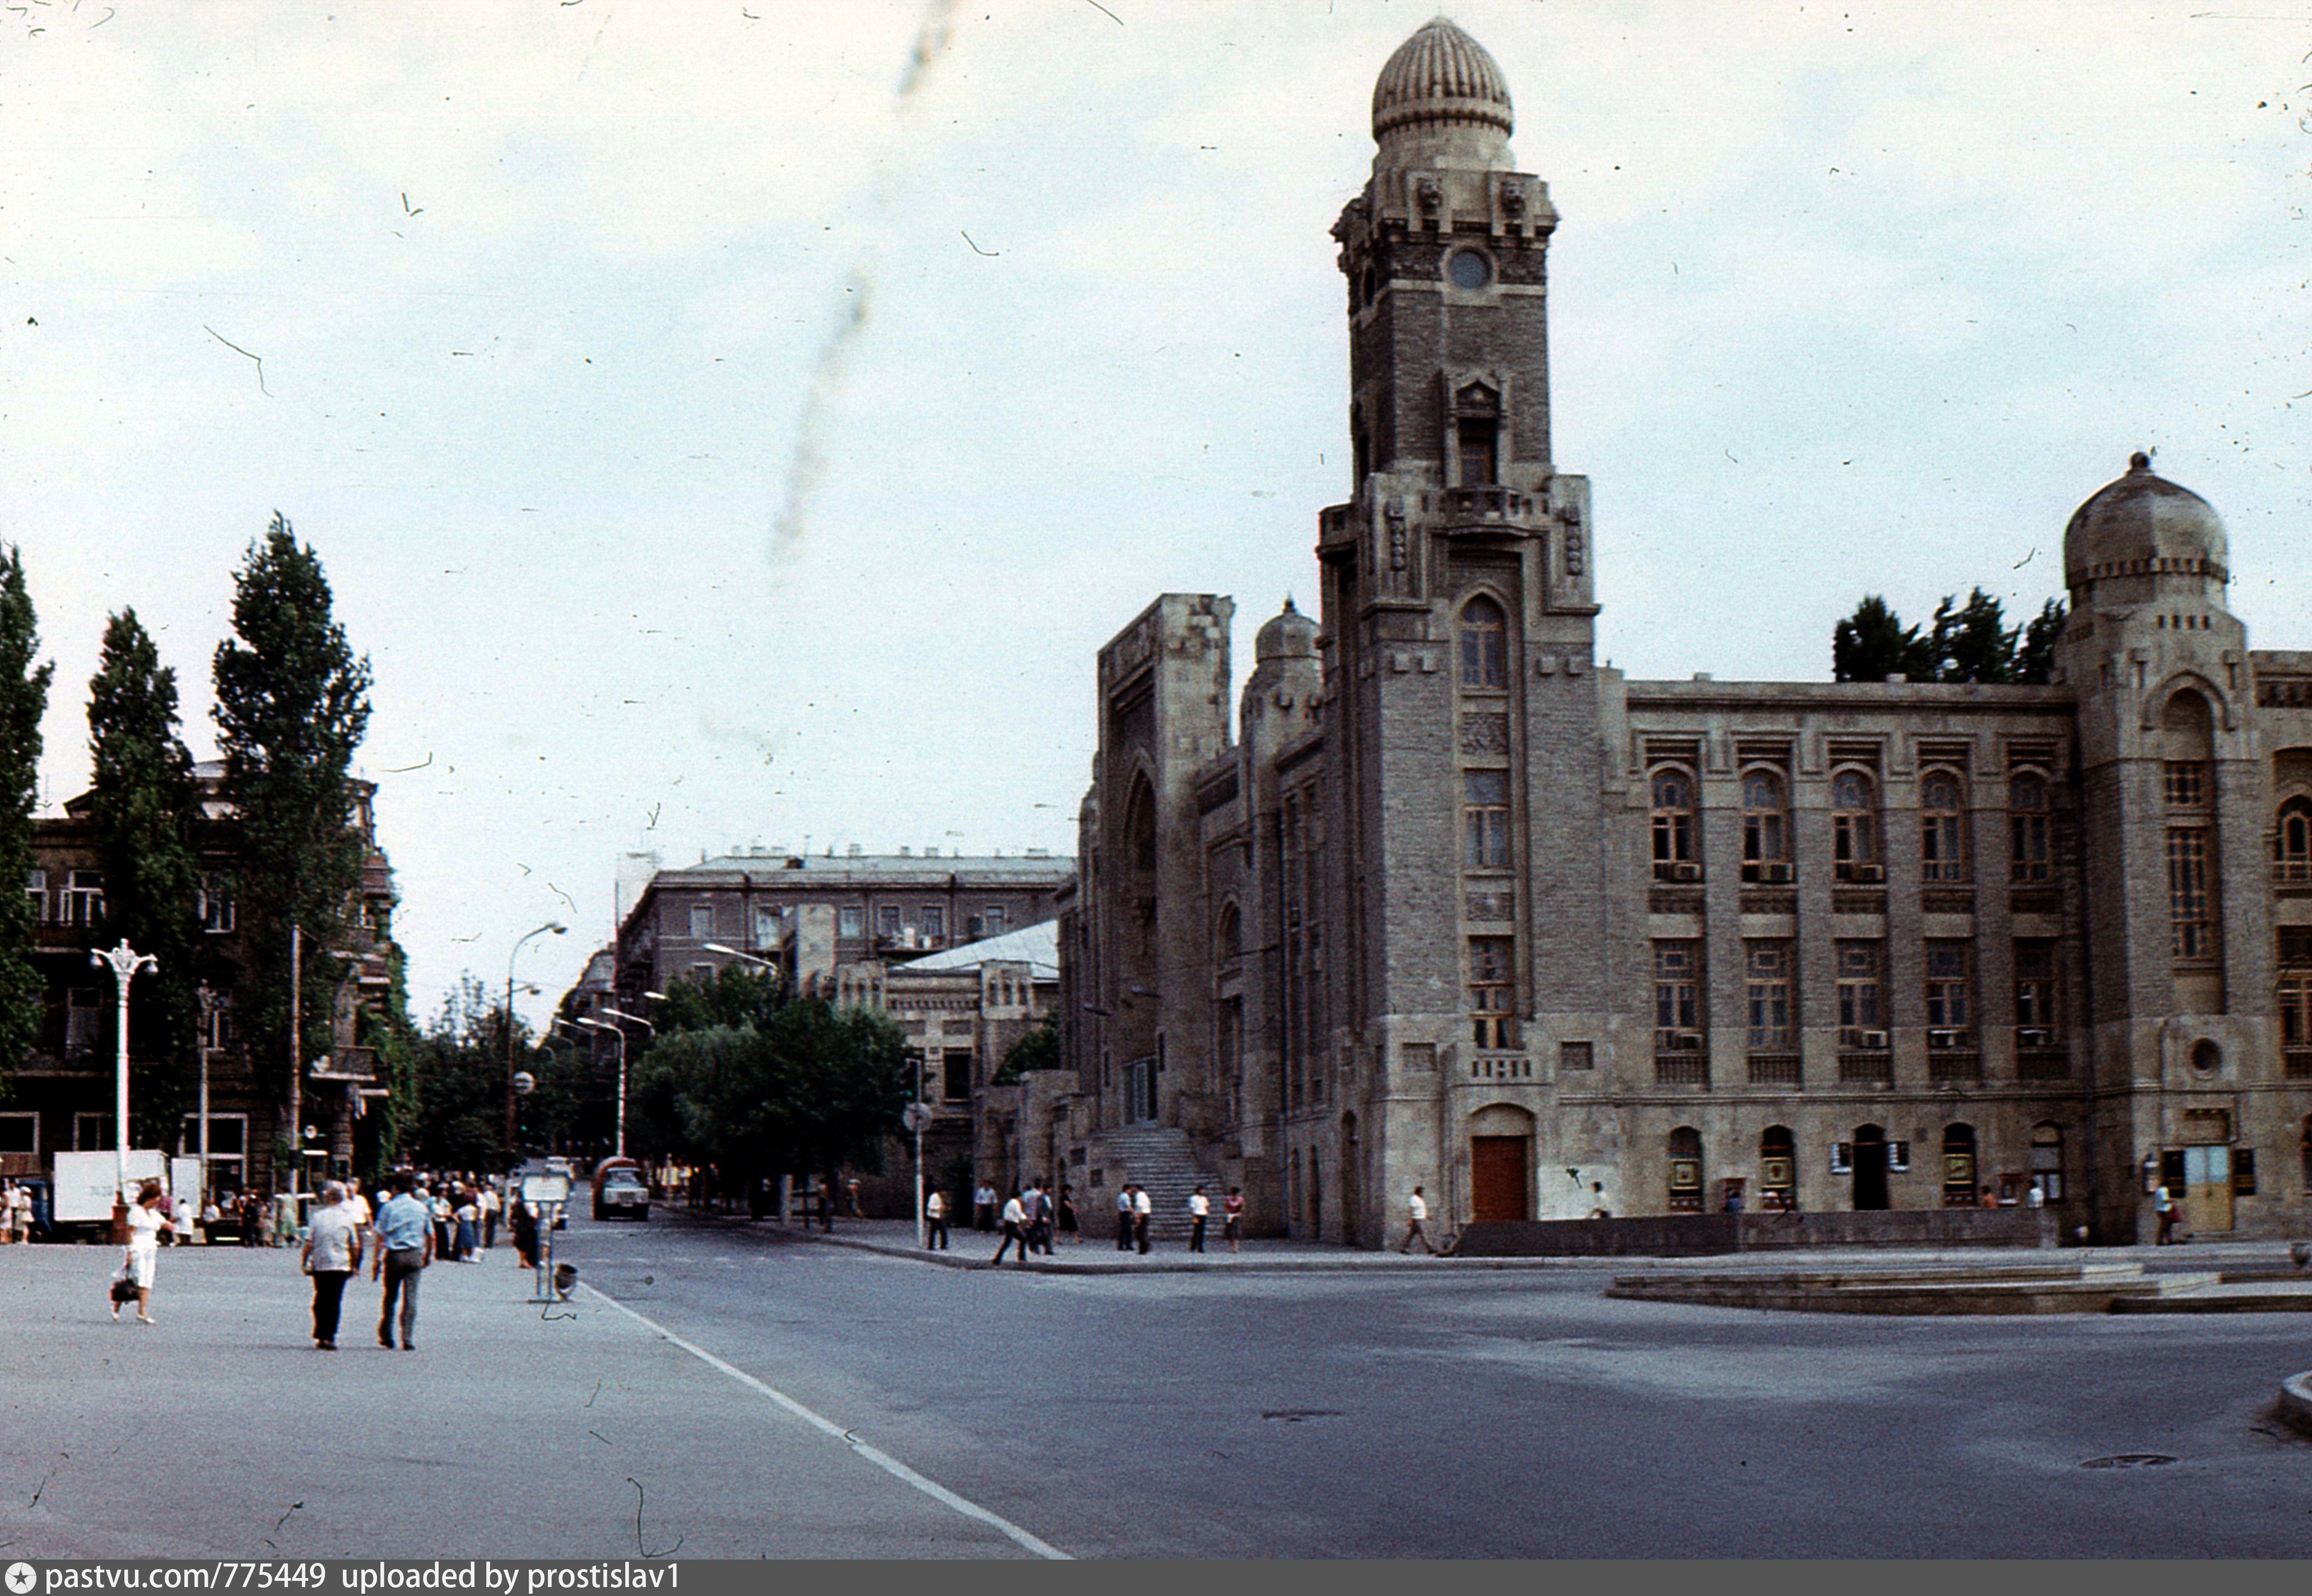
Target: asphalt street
1496 1414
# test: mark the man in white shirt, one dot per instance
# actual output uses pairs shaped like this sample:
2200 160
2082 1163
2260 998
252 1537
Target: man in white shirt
1416 1221
1124 1217
1015 1230
333 1251
1200 1208
1142 1206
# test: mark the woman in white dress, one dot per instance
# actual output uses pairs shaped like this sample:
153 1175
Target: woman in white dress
145 1223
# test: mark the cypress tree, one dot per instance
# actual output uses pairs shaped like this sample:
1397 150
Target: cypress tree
24 700
145 808
293 704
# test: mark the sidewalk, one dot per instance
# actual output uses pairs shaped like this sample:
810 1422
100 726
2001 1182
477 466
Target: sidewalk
1095 1255
516 1430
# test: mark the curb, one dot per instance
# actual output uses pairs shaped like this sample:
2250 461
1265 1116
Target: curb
2296 1401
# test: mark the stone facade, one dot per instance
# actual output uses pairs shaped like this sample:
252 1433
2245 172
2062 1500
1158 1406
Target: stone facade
1455 907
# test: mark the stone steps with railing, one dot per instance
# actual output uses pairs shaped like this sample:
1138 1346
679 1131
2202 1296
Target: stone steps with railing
1161 1159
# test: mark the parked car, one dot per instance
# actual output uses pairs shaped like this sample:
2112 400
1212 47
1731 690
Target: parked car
619 1188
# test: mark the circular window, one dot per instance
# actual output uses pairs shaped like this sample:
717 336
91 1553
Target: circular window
1470 269
2207 1058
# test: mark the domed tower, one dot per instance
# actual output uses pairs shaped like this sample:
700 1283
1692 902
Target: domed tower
1461 705
2173 803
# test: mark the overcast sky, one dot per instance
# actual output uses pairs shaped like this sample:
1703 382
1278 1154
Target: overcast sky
742 423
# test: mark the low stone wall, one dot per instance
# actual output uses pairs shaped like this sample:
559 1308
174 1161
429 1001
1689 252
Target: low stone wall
1702 1235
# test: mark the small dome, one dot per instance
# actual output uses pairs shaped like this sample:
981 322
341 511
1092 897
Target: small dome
2143 525
1291 636
1440 75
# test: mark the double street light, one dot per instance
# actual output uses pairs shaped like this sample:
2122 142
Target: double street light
619 1032
557 929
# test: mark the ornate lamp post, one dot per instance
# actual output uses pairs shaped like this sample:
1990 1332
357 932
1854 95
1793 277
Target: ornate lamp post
127 964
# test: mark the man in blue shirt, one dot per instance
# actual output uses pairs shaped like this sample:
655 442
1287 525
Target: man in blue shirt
403 1228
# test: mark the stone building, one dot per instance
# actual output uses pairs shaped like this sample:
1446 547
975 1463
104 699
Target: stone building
62 1099
1452 906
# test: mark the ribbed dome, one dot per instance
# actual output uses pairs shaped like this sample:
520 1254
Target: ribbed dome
1290 636
1439 75
2143 525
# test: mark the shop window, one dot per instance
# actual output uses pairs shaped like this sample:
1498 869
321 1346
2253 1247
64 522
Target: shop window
1778 1169
2047 1161
1685 1169
1958 1167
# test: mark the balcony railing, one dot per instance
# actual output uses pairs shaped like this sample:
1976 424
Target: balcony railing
1776 1069
1501 1069
1866 1069
1949 1069
2043 1064
1682 1069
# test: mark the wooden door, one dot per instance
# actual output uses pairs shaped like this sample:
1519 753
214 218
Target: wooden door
1499 1184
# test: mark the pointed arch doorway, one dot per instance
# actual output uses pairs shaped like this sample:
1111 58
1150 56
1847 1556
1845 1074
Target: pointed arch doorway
1869 1168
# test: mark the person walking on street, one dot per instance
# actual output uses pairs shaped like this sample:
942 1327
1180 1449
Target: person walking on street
935 1220
2163 1204
332 1252
1124 1217
1200 1209
1232 1217
1015 1230
1143 1208
405 1246
983 1207
1416 1223
1068 1212
145 1223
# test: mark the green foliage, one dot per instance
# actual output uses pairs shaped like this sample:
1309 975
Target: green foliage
1963 642
456 1101
144 808
735 995
387 1121
23 699
1039 1050
293 704
807 1088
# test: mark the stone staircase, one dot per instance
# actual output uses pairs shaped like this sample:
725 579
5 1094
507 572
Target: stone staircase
1162 1159
2035 1288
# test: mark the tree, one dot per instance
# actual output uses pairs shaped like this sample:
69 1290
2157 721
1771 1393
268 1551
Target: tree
145 806
456 1104
1962 643
1873 645
24 700
1039 1050
293 704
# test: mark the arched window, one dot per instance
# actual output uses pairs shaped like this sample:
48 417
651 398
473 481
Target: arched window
1778 1169
1942 830
1765 829
1231 933
2026 803
1685 1170
1855 821
1958 1166
1676 858
2047 1160
1484 645
2291 841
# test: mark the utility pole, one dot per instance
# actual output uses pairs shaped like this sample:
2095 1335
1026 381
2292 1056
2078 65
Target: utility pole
296 1060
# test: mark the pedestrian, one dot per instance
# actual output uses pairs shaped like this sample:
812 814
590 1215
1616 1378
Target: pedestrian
1598 1209
8 1212
935 1220
2037 1198
2163 1204
1143 1207
332 1252
142 1257
1733 1202
1989 1198
1041 1218
1200 1209
1416 1223
1232 1217
438 1200
405 1246
469 1219
1015 1230
525 1233
1124 1217
19 1219
1068 1214
357 1205
851 1189
983 1207
489 1205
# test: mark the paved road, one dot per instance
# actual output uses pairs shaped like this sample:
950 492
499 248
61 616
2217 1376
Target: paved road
1485 1415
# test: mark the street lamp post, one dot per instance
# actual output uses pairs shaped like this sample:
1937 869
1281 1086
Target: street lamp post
623 1021
127 964
558 927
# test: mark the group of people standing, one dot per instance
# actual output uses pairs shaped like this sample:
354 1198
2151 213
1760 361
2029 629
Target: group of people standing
15 1214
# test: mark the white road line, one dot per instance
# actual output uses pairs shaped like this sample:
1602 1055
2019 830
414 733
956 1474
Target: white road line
875 1455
